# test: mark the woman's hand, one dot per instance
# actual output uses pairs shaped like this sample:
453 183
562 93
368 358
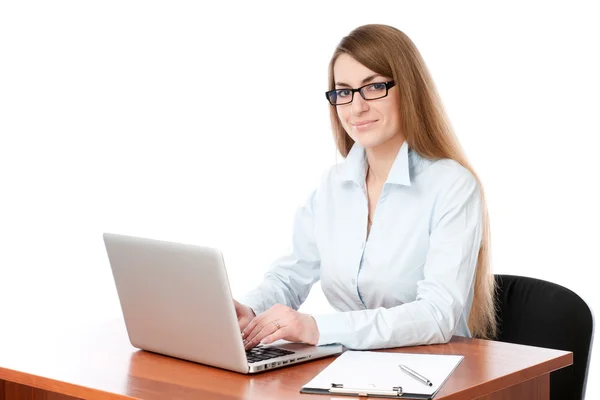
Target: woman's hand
244 314
281 322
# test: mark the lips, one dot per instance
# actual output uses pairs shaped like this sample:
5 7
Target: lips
358 124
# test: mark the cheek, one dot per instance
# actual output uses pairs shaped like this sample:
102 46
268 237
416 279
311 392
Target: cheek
343 117
394 109
393 116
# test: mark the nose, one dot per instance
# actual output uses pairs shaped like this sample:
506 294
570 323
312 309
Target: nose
359 105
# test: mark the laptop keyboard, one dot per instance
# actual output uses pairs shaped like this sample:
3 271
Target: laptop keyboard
260 353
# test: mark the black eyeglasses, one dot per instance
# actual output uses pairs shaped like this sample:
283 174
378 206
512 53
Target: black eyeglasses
372 91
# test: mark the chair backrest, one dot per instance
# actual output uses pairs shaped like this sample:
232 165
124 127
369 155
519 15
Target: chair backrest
544 314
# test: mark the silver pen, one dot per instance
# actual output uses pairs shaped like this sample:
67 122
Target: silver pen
415 375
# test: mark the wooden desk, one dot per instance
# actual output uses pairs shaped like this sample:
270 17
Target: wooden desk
96 361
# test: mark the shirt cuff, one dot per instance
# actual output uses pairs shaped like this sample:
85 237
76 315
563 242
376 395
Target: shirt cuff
333 328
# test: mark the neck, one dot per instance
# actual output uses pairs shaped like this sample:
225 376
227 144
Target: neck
381 158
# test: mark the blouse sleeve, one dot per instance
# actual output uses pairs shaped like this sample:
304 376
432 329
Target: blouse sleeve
290 277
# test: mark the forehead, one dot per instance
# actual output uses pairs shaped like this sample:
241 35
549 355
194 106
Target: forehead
347 70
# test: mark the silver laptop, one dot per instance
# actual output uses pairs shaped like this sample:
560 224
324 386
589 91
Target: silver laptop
176 301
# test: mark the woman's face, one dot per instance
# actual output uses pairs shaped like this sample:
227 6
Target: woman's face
369 122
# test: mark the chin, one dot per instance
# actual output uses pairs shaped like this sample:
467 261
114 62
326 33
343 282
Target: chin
367 141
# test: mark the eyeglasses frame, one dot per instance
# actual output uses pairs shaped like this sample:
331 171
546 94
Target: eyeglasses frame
388 86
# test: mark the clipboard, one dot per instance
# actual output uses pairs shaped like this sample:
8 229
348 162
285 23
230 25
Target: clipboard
339 389
378 374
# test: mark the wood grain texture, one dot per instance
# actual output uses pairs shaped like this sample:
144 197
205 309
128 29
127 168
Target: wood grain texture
16 391
535 389
96 361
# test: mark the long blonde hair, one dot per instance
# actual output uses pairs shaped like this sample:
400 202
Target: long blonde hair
389 52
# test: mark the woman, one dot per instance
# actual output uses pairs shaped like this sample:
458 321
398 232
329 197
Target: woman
398 233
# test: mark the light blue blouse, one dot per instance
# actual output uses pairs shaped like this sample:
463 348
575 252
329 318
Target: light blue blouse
410 281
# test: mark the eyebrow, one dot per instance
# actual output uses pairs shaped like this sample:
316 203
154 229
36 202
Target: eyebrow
364 81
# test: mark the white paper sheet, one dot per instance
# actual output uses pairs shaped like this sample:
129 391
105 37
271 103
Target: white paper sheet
380 370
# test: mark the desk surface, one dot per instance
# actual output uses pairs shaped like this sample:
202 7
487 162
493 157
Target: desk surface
96 361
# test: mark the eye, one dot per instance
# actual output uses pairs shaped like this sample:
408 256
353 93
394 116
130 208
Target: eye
376 87
344 93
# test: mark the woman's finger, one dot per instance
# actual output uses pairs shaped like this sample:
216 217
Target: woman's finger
261 324
248 333
278 334
266 330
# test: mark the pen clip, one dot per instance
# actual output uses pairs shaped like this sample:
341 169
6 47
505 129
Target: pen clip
339 388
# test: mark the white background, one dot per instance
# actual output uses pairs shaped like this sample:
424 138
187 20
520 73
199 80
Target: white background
175 120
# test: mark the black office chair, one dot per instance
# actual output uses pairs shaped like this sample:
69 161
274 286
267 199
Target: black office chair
540 313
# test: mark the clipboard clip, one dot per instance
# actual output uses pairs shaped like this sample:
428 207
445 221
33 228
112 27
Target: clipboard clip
339 388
